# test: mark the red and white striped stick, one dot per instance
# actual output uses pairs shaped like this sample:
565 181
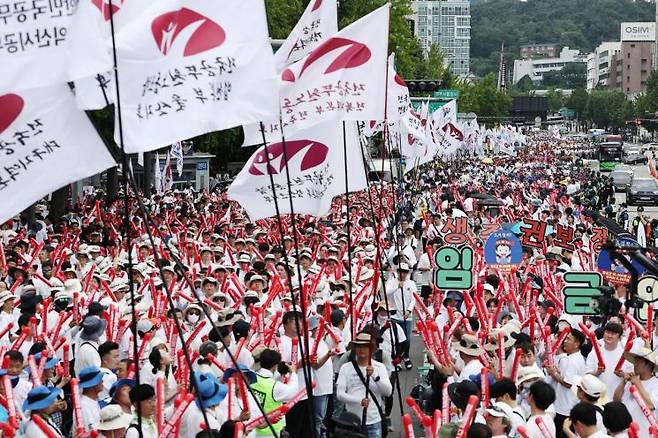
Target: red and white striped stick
651 418
627 348
467 419
408 426
539 421
159 403
77 409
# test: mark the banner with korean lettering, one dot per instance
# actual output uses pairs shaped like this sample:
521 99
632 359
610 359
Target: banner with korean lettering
91 50
316 163
398 94
33 42
319 21
344 78
188 67
45 143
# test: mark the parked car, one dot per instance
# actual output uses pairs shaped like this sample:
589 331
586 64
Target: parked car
621 179
635 157
642 191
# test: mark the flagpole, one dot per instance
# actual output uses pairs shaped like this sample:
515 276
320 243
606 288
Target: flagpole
349 237
306 366
126 217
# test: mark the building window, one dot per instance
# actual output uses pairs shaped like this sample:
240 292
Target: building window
632 46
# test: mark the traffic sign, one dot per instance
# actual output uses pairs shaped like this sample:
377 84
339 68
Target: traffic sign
433 106
447 93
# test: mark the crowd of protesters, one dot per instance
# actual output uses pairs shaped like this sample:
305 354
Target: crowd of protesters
193 321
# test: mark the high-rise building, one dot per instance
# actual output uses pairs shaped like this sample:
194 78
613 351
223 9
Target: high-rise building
447 24
599 63
631 66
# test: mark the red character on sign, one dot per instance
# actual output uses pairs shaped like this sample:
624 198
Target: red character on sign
454 230
564 237
599 238
535 234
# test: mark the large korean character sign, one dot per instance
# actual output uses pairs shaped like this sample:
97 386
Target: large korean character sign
454 262
45 143
187 67
581 292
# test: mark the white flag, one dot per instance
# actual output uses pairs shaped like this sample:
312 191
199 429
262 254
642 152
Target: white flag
398 94
188 67
344 78
90 47
318 22
316 164
45 143
33 43
177 153
158 175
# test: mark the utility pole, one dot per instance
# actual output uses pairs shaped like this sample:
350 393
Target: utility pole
502 74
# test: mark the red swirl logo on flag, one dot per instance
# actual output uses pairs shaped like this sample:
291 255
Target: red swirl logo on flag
400 81
354 55
106 8
12 106
317 5
202 33
453 132
311 153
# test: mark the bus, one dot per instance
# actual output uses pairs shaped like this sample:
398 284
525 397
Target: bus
611 152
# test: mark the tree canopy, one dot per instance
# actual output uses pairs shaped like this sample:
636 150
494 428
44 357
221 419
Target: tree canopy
579 24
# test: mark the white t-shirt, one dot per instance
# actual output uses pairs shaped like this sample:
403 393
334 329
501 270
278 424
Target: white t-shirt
570 367
651 387
610 358
471 368
533 429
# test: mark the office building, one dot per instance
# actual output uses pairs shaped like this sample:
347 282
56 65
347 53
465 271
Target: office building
447 24
535 68
631 67
598 64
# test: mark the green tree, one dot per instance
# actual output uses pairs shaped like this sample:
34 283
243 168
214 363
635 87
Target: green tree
282 15
401 40
608 108
483 98
578 101
555 99
433 66
524 85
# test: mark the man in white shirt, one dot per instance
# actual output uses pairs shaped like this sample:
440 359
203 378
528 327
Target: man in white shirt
469 350
109 354
617 419
541 396
582 419
644 366
611 350
399 292
351 386
569 366
87 353
91 385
